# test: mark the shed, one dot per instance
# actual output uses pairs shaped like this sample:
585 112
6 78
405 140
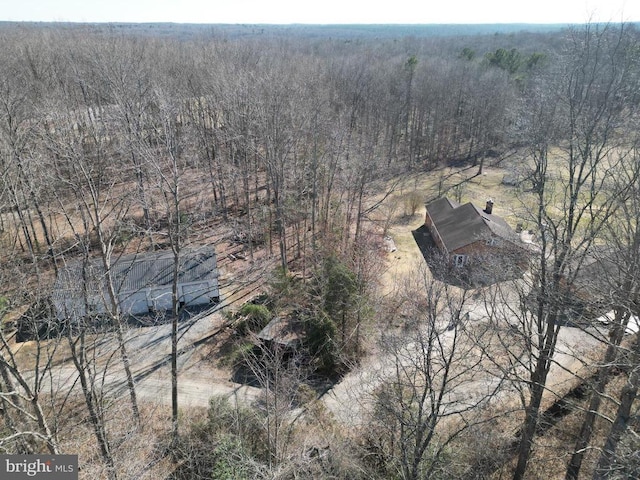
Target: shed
142 282
281 332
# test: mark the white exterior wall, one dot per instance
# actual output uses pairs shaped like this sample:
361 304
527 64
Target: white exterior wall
160 298
199 293
133 303
143 301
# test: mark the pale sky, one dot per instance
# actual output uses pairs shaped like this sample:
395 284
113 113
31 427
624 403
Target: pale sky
323 11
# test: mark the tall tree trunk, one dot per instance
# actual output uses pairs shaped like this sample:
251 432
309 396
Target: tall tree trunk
623 416
175 301
79 359
604 374
532 414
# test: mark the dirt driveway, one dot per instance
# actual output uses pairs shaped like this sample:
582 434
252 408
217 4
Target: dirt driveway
150 348
351 398
200 377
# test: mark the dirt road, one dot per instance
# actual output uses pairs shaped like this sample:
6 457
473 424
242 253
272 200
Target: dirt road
150 348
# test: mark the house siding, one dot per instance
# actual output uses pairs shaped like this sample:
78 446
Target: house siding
504 254
472 251
475 249
434 233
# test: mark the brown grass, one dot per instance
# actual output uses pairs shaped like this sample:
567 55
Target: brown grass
141 454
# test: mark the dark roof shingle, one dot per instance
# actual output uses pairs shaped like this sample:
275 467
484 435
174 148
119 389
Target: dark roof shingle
461 225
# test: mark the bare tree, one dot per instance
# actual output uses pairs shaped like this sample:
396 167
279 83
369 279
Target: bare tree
19 161
622 421
23 392
573 190
97 206
124 69
276 370
167 156
616 282
430 389
279 117
83 356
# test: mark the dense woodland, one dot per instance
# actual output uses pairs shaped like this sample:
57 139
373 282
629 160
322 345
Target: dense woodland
288 145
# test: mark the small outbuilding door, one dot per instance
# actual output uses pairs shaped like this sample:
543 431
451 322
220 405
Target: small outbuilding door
134 303
160 299
196 294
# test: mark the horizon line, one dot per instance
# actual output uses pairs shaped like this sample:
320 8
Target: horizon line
271 24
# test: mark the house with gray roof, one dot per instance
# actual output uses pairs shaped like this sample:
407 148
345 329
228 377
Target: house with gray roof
142 283
468 235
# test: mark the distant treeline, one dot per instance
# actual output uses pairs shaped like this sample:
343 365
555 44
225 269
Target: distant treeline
343 31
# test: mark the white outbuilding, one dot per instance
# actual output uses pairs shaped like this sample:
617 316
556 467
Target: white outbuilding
143 283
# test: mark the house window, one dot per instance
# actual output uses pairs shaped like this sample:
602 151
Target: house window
460 260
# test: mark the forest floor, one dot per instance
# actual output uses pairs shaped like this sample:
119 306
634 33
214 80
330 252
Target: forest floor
203 336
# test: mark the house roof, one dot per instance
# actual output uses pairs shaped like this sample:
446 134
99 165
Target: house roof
131 273
461 225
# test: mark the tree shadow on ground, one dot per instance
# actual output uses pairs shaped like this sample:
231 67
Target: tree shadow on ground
258 367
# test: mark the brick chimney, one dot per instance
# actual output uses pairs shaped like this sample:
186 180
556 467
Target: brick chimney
489 208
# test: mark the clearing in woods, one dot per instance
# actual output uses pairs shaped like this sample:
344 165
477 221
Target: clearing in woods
201 337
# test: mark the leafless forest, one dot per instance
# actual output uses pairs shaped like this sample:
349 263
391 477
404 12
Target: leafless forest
286 150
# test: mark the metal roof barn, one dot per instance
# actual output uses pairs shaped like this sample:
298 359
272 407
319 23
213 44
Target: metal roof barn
142 282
